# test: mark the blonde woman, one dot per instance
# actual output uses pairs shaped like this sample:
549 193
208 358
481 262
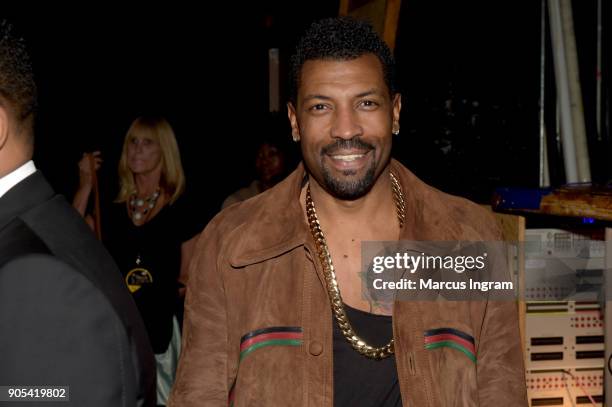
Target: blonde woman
147 230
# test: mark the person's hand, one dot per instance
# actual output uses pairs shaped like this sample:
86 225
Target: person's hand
85 174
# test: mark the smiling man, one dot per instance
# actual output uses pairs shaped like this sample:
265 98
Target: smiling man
275 314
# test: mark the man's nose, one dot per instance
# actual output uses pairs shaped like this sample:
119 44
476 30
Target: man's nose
346 124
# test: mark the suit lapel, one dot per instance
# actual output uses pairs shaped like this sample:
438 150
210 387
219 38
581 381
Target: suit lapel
30 192
16 240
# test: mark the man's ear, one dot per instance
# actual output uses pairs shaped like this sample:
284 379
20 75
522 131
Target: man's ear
4 127
295 128
397 107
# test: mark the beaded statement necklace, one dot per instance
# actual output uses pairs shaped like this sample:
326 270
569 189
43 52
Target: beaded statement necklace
140 208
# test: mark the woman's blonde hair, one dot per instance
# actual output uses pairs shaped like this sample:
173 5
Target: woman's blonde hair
172 180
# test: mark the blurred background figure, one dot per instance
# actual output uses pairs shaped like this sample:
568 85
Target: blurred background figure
149 232
273 161
270 167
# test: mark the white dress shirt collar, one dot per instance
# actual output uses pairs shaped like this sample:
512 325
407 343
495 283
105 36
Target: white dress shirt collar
15 177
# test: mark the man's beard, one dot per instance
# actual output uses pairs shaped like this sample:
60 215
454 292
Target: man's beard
353 188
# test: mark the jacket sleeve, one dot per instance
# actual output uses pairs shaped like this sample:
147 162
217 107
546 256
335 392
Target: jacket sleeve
202 377
500 366
500 369
58 329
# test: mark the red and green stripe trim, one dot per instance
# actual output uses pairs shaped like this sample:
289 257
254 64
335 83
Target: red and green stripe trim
275 336
260 338
451 338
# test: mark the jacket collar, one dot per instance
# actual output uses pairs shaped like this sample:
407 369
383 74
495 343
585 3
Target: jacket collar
277 224
429 212
25 195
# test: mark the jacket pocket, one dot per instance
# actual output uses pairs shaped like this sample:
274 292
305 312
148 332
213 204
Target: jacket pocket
263 374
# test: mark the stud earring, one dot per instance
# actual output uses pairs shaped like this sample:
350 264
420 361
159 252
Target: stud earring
395 130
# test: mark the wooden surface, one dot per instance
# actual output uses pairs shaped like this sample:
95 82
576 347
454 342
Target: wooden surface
391 21
578 202
382 14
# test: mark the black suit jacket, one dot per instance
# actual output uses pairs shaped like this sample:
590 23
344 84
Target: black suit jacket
66 316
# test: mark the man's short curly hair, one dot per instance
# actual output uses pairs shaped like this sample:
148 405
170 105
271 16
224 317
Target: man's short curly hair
17 87
342 38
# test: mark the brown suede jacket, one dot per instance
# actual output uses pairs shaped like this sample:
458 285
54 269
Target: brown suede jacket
258 323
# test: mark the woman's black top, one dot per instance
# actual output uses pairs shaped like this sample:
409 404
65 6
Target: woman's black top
149 257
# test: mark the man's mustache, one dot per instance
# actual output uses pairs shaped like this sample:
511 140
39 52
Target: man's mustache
354 143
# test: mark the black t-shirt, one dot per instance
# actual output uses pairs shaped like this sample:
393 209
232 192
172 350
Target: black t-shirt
149 257
360 381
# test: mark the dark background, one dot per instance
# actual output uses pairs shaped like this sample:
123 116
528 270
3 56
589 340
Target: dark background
469 74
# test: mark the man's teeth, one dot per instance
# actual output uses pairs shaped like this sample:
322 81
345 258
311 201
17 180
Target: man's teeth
350 157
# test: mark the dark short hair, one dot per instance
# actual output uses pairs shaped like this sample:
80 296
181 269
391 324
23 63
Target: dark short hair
17 87
342 38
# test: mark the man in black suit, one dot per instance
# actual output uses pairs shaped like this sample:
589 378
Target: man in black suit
66 317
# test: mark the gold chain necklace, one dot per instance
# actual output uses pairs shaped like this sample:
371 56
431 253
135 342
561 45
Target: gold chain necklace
330 276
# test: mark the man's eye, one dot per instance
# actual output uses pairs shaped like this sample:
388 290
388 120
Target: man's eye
318 106
369 103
